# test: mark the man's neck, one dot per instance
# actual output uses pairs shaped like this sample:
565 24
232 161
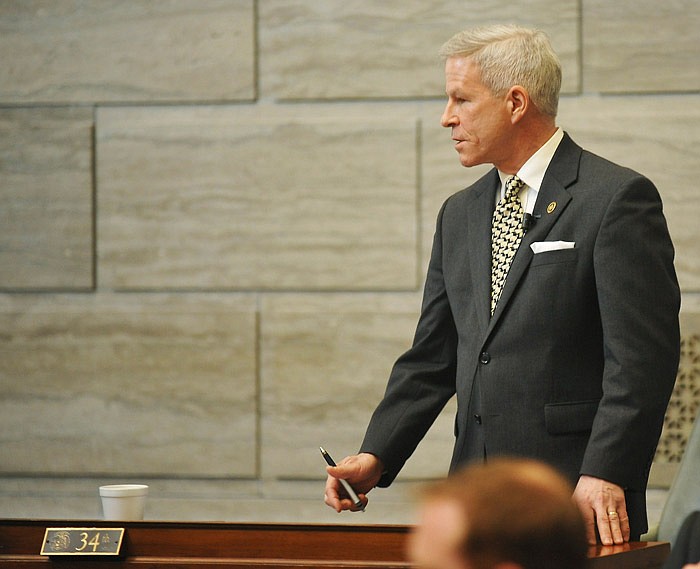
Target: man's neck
528 141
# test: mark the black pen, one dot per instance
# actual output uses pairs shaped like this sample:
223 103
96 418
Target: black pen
353 496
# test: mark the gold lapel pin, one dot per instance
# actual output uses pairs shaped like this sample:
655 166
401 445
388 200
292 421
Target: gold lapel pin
551 207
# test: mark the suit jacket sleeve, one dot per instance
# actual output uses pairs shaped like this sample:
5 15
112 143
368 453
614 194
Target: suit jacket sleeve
639 300
422 379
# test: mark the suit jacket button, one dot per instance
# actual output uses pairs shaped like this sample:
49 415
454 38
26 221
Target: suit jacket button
485 357
477 419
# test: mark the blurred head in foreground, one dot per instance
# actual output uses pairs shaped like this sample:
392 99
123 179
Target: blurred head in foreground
506 514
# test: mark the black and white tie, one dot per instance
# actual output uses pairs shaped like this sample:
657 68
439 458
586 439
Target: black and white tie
506 233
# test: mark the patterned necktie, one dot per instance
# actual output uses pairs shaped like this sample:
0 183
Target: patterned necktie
506 233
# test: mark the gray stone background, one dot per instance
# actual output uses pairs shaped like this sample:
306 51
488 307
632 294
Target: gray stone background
215 216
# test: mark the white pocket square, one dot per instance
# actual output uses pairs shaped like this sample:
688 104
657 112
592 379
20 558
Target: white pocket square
542 246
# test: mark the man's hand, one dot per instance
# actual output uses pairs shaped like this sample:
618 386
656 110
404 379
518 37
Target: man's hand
362 471
602 504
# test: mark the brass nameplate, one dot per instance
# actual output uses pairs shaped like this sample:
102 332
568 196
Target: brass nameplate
82 541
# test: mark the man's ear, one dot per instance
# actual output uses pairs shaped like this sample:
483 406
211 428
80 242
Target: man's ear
518 101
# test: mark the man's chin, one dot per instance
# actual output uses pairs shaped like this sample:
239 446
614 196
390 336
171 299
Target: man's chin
468 162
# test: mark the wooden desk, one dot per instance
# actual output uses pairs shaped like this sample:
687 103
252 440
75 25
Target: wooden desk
154 545
635 555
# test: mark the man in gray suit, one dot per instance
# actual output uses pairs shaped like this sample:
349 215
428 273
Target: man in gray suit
570 360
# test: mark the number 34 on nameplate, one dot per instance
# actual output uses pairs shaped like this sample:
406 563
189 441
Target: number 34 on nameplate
82 541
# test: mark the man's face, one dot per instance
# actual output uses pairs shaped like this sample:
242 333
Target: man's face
436 541
480 121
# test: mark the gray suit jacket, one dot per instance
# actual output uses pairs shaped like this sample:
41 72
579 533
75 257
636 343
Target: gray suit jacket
578 362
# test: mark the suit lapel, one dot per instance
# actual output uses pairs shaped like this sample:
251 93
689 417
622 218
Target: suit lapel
552 200
479 242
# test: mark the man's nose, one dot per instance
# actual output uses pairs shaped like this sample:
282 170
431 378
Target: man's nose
448 117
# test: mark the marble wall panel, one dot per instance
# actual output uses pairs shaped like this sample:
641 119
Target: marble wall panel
366 49
264 198
73 51
641 46
128 385
324 366
46 217
317 197
658 136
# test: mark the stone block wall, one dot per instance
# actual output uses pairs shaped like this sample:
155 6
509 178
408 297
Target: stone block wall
215 216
